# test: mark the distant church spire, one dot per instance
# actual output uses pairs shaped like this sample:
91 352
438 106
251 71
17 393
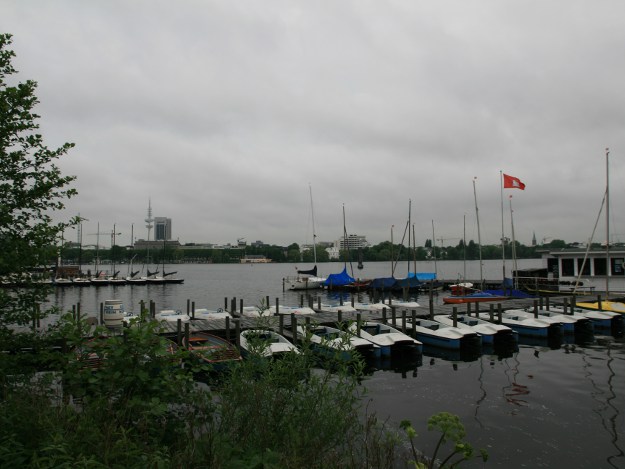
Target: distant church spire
534 239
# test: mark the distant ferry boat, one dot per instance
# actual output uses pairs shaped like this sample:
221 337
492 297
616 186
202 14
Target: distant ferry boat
254 259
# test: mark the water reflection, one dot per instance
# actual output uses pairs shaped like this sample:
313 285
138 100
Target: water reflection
605 397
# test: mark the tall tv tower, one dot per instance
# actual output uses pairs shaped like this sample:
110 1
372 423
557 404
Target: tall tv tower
149 220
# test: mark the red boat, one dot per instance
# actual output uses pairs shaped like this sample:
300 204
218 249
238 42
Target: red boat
465 293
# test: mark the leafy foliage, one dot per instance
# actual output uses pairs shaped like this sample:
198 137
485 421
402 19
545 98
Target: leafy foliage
31 189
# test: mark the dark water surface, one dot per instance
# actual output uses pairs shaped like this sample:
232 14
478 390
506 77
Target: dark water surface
543 405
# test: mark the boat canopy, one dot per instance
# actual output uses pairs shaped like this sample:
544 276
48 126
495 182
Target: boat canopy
383 283
339 280
312 271
422 276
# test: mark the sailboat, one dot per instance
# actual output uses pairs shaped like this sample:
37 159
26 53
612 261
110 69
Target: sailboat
465 292
605 305
343 280
167 277
307 279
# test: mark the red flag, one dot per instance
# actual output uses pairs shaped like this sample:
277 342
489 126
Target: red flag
510 182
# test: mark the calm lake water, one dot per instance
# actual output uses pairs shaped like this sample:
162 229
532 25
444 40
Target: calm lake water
543 405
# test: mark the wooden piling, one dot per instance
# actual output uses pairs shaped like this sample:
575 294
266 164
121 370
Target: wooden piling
393 316
186 335
227 328
358 323
278 306
535 309
294 327
281 324
403 321
454 315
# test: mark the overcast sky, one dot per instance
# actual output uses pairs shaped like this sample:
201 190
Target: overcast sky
224 113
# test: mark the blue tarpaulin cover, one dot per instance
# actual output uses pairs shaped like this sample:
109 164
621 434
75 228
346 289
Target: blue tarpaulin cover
339 280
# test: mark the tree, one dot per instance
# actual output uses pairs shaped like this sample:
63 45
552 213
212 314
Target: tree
31 189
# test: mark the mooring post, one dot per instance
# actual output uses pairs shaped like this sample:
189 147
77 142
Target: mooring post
283 282
281 324
318 303
267 301
540 302
301 300
431 307
226 303
340 316
599 305
241 306
358 323
179 331
353 301
547 303
278 306
228 328
237 332
394 316
186 335
188 306
341 299
491 312
193 310
403 321
565 303
454 316
294 328
468 309
573 303
499 312
414 322
384 315
101 313
536 309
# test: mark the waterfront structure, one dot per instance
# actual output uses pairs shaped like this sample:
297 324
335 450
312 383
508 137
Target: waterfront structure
584 270
254 259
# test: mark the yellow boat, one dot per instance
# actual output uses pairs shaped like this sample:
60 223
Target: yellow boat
614 306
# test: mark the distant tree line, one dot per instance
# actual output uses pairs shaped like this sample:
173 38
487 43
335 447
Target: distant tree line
381 252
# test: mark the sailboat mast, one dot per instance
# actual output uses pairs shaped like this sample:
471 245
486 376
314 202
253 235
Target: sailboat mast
503 237
409 245
312 211
479 237
607 224
434 250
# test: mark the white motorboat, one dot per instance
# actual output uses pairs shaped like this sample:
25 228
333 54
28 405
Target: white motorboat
172 315
526 325
299 310
203 313
439 335
600 319
265 343
491 333
389 339
329 340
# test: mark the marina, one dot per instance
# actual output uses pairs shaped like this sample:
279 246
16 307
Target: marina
547 403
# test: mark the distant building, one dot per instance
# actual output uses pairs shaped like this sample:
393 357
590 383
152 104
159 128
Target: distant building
162 228
143 244
352 241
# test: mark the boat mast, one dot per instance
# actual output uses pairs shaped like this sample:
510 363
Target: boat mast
434 250
409 245
503 237
607 225
312 211
479 237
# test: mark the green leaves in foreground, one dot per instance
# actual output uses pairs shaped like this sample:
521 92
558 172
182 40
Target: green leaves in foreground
451 430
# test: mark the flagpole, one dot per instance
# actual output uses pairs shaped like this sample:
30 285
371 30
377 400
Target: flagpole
607 225
479 237
514 265
503 238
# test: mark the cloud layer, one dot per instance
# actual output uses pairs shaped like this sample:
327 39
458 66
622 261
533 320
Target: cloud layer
222 113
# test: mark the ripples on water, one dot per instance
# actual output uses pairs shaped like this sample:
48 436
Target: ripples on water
542 405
